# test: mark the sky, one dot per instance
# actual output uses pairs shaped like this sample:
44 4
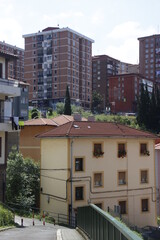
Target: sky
114 25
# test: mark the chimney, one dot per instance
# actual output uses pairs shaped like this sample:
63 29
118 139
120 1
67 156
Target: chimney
77 117
91 118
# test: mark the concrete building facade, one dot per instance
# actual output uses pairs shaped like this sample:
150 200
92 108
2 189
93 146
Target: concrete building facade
8 122
55 58
107 164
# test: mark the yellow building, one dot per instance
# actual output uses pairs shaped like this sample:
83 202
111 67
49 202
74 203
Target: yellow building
107 164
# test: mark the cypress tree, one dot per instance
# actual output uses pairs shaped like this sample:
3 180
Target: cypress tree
67 106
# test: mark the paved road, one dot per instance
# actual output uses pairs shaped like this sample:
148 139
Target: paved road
39 231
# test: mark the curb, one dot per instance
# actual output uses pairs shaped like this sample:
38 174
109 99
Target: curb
82 233
7 228
59 234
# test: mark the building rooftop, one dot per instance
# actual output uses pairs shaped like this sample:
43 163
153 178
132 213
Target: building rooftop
62 119
50 30
40 122
95 129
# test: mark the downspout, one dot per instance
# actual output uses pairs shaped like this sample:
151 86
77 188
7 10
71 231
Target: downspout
71 175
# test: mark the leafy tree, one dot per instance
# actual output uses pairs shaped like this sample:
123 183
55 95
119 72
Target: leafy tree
97 100
60 108
22 181
67 106
34 113
50 111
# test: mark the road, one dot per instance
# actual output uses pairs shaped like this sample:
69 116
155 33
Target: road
30 232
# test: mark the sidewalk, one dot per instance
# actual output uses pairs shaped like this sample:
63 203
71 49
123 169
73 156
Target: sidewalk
69 234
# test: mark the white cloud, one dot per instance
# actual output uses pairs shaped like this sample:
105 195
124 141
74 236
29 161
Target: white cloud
97 17
123 43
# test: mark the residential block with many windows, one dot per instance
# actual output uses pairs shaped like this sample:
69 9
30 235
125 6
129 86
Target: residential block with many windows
55 58
108 164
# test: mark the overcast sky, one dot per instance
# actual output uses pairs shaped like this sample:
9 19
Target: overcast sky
114 25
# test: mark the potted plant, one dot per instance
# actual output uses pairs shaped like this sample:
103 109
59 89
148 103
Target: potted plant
122 153
98 153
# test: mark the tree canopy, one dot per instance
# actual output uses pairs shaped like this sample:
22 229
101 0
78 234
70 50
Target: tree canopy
97 100
22 180
67 106
148 114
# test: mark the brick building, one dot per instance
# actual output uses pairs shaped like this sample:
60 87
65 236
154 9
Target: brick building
123 92
149 57
103 66
55 58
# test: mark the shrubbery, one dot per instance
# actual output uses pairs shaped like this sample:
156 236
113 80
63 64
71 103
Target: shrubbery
6 217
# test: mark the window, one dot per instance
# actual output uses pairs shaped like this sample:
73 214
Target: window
143 149
98 150
121 150
123 207
78 164
79 193
0 147
144 176
98 179
121 178
144 205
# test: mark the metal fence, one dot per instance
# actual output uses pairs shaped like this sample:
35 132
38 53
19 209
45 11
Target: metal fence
99 225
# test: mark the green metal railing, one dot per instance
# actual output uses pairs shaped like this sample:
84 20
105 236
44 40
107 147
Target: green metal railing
99 225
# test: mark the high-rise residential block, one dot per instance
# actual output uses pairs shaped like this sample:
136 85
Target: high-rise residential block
149 57
103 67
55 58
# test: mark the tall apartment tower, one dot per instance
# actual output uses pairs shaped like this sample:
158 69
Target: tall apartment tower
149 57
55 58
15 66
103 67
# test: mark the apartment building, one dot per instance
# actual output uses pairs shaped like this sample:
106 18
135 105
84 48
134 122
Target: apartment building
9 89
128 68
149 57
55 58
107 164
124 90
103 66
16 65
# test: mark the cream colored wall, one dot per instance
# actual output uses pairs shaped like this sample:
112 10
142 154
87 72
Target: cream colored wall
110 164
54 154
53 182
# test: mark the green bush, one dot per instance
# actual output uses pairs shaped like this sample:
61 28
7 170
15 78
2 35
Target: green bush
6 217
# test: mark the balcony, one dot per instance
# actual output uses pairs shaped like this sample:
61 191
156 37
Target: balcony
9 88
8 124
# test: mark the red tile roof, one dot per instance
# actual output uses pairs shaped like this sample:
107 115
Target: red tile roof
40 122
95 129
62 119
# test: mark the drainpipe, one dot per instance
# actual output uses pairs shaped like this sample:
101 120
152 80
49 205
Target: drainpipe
71 175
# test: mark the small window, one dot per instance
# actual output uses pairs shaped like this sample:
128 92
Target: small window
143 149
121 178
98 180
98 150
78 164
121 150
144 176
79 193
123 207
144 204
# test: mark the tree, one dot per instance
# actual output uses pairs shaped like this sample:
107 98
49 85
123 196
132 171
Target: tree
34 113
60 108
67 106
22 181
97 100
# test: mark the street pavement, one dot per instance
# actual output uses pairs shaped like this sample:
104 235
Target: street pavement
39 231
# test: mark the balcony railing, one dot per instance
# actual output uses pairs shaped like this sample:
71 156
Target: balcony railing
99 225
5 119
7 82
